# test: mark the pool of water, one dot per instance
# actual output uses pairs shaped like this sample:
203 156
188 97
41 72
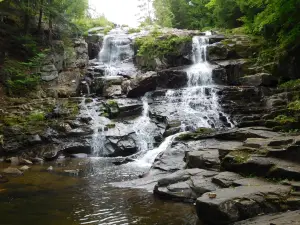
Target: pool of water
41 197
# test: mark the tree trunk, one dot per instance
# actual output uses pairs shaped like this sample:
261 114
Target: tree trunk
26 17
50 23
40 16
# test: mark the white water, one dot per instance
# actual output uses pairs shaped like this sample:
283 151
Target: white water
117 53
148 159
144 128
97 124
198 104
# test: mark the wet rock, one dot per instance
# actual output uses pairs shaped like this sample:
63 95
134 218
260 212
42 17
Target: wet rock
215 38
124 145
261 79
217 51
14 161
50 168
112 91
226 179
140 84
76 147
72 172
107 85
172 158
235 69
219 76
234 204
37 160
12 171
172 78
286 218
24 168
35 139
49 72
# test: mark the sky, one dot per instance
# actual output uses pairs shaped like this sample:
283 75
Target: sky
117 11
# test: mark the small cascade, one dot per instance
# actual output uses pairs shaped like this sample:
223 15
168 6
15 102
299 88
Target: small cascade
142 127
89 109
148 159
117 53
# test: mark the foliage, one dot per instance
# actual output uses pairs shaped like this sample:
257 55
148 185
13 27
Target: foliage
86 23
295 105
282 119
277 20
155 45
290 84
134 30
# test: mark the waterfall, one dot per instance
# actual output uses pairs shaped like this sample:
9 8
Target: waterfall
117 54
198 104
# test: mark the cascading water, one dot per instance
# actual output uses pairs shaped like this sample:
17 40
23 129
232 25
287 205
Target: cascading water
117 53
197 105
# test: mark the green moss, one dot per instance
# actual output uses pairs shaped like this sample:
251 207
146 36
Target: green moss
241 156
112 103
105 114
290 84
110 126
13 120
36 116
157 46
283 119
88 100
295 105
200 132
1 140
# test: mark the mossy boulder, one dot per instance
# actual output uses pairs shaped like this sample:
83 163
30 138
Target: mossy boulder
199 133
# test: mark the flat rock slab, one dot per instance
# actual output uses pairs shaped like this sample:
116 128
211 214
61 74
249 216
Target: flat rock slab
234 204
203 159
226 179
251 182
287 218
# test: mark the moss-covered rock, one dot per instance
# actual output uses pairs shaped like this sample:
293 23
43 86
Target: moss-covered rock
198 134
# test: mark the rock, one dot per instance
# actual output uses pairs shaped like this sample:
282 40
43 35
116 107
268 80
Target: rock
251 182
234 204
260 79
120 145
286 218
219 76
24 168
50 168
104 85
203 159
235 69
35 139
226 179
217 51
72 172
185 185
3 179
14 161
112 91
139 85
172 78
215 38
12 171
37 160
76 147
49 72
25 161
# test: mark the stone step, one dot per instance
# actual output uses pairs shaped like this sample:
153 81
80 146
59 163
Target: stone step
229 205
286 218
262 166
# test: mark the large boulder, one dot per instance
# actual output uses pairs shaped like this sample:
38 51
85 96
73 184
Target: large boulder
172 78
217 51
260 79
139 85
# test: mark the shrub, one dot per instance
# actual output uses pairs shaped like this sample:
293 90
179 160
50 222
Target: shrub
295 105
282 119
290 84
36 116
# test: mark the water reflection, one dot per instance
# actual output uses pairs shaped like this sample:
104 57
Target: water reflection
59 198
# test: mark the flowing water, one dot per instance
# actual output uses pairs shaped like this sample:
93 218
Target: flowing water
197 105
117 53
92 197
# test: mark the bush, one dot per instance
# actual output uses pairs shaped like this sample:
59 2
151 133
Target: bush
295 105
36 116
290 84
154 45
283 119
134 30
